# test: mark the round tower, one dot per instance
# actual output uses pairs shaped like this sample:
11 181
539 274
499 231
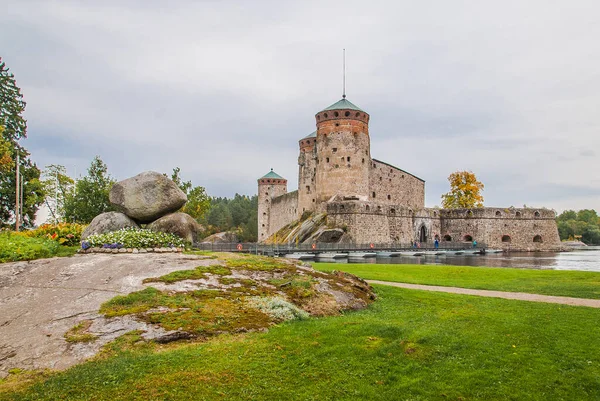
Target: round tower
269 186
343 152
307 170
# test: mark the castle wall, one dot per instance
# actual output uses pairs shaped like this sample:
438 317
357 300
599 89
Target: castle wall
373 222
389 185
307 171
284 210
489 225
343 159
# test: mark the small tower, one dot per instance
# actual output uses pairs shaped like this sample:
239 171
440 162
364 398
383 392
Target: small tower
269 186
343 152
307 170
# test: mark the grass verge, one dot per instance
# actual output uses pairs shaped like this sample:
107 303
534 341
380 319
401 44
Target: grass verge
408 345
545 282
16 247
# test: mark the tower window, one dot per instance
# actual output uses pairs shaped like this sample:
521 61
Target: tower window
389 197
334 150
347 113
374 165
380 178
325 115
357 114
308 188
373 194
335 113
327 159
348 159
363 160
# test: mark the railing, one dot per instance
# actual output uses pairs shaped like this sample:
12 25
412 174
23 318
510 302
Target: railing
278 249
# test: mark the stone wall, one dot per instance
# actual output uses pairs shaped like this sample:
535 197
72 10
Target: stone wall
388 185
284 210
509 229
501 228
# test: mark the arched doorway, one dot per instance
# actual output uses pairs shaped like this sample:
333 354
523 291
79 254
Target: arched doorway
447 237
422 234
468 238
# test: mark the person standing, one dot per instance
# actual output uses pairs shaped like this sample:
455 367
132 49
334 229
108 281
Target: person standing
436 243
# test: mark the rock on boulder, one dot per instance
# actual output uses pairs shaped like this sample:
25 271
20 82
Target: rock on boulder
107 222
180 224
224 237
147 196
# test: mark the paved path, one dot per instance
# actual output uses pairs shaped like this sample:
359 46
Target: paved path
521 296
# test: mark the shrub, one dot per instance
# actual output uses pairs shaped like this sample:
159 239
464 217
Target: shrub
278 308
18 246
67 234
133 238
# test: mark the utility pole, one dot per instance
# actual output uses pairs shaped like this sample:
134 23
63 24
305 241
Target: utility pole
18 196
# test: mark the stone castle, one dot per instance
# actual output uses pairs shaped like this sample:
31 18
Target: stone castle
376 202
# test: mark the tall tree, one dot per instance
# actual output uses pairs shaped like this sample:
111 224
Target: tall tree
14 126
465 191
198 201
89 196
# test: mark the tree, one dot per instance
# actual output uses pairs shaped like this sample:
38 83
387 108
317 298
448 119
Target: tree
198 201
57 185
14 127
465 191
584 223
89 197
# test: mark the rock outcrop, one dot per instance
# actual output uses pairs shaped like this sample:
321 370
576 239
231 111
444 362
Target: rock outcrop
180 224
107 222
147 196
224 237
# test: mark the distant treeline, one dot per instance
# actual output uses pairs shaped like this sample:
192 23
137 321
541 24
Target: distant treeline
583 225
239 214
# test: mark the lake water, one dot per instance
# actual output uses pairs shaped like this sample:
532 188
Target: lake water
575 260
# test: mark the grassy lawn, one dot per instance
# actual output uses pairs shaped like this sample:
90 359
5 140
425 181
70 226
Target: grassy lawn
408 345
547 282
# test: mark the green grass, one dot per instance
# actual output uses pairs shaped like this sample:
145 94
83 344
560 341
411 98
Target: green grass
547 282
409 345
195 274
16 247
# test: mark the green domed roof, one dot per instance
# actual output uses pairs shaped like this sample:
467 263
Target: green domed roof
272 174
313 135
343 104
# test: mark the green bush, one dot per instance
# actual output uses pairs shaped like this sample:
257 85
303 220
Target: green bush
133 238
18 246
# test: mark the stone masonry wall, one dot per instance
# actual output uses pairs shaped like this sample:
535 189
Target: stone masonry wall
267 190
389 185
284 210
501 228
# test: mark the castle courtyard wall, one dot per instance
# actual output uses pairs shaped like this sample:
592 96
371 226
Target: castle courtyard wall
284 210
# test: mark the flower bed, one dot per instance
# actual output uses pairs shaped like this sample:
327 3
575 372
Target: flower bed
67 234
132 240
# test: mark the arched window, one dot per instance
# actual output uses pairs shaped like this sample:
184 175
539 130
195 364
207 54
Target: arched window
537 214
506 238
498 213
367 208
537 238
392 210
447 238
468 238
518 214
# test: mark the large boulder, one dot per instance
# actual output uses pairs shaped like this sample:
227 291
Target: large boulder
180 224
147 196
107 222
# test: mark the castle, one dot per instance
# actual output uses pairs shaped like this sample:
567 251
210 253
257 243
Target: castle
376 202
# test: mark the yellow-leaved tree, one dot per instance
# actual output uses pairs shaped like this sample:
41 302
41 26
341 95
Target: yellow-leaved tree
6 161
465 191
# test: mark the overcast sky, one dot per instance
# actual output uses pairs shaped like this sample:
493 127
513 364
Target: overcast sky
225 89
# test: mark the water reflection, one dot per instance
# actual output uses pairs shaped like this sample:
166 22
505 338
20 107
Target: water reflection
576 260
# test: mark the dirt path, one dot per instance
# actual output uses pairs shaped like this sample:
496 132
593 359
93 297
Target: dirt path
42 299
521 296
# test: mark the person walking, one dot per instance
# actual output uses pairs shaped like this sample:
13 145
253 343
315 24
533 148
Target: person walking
436 243
474 244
